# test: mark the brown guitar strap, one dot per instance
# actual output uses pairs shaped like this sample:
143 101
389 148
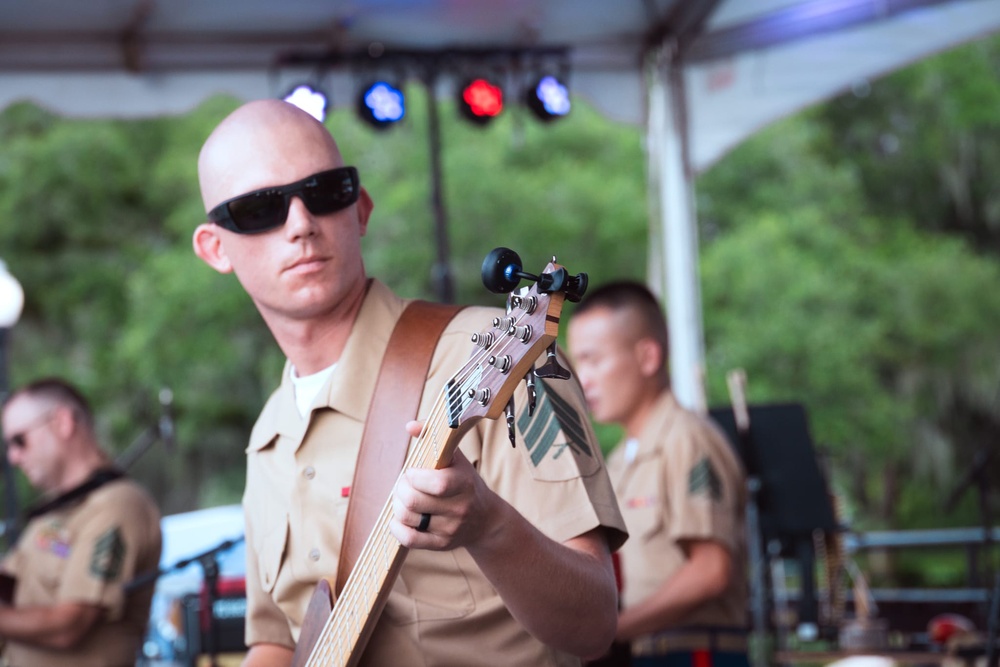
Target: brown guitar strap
396 400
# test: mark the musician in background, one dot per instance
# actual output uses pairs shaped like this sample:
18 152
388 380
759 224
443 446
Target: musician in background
509 559
93 531
679 484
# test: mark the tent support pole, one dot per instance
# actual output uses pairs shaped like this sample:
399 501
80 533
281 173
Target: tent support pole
674 230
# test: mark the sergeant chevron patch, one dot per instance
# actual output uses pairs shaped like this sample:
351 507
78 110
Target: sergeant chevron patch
704 480
552 416
109 553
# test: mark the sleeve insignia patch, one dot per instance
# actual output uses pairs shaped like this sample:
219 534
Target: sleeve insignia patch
703 480
109 555
552 415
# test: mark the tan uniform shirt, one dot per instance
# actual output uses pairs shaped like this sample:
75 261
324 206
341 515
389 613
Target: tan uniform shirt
441 611
684 482
86 552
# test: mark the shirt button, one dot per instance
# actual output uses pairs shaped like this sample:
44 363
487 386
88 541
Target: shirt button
309 472
314 554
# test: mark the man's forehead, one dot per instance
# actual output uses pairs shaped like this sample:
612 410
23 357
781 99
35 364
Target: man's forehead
616 325
260 147
271 127
25 407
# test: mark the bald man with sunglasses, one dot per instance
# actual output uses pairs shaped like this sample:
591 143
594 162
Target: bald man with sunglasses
482 583
91 533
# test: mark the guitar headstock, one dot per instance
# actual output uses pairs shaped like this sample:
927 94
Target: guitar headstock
505 353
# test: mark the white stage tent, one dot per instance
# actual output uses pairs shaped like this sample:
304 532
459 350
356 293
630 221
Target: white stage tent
701 75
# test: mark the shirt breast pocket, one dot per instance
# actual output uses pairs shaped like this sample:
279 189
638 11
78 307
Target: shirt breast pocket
270 548
643 504
644 522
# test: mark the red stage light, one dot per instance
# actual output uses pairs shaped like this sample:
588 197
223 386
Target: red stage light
481 100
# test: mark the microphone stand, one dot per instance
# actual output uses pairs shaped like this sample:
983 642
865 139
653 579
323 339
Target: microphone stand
162 430
11 514
137 448
210 569
761 650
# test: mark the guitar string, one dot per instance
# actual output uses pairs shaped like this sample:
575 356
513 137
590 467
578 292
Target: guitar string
382 535
379 538
351 591
368 568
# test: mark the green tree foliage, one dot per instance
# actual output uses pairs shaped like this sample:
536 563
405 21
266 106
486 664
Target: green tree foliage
825 274
872 328
97 225
925 142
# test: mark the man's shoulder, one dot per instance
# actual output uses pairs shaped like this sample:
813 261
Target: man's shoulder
124 496
683 419
694 437
683 426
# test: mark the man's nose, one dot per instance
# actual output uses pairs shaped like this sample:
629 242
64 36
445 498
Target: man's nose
300 221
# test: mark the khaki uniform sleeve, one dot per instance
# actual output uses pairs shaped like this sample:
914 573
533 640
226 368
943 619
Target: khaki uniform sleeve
555 475
113 540
703 488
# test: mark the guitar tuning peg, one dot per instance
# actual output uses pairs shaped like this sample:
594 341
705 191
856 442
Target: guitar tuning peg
576 287
529 381
509 414
552 367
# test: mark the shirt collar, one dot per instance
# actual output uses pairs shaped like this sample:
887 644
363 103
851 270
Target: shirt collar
350 386
662 417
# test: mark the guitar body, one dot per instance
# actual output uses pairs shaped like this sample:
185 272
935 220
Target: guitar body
320 608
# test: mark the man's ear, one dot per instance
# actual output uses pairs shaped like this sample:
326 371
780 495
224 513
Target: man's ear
208 246
365 206
63 421
649 355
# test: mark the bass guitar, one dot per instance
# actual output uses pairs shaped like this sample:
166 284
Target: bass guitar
335 634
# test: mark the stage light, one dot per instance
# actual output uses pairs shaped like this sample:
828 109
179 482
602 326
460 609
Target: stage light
381 104
480 101
311 100
548 98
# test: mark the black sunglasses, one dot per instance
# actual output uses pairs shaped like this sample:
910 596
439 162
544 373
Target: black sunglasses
20 439
261 210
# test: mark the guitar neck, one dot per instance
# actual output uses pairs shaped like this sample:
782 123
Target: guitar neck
347 630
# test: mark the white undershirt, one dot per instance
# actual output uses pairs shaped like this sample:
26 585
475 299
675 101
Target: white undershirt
306 388
631 448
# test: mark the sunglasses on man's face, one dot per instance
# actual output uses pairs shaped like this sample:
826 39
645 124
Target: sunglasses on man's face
258 211
20 439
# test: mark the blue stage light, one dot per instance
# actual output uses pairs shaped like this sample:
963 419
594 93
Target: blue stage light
381 104
548 98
